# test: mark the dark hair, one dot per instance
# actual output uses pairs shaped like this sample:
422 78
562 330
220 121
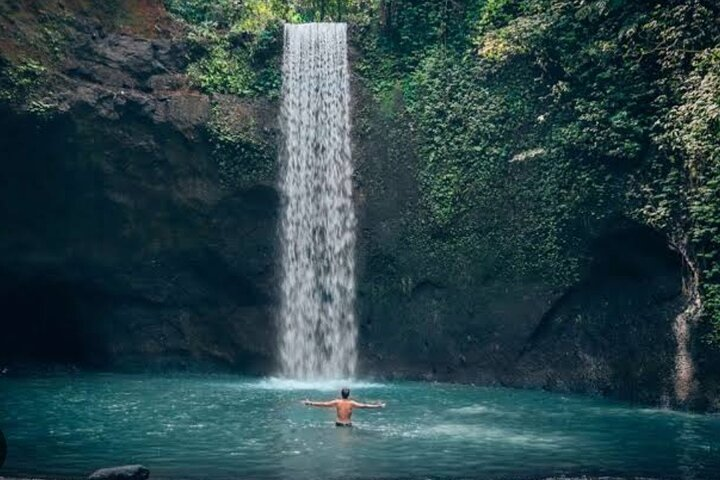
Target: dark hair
345 392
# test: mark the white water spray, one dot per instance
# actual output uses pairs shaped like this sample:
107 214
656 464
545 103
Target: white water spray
317 321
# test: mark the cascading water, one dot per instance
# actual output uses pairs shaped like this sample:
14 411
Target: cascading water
317 322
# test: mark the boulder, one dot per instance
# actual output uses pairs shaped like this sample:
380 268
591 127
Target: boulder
125 472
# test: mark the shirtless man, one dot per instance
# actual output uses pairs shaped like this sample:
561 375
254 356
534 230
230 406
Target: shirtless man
344 407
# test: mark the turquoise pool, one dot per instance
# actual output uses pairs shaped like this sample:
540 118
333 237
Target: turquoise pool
222 427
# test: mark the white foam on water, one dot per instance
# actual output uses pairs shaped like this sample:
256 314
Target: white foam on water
472 410
445 433
487 434
277 383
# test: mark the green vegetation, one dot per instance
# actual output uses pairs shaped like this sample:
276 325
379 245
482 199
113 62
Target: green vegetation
234 135
537 123
236 48
18 81
681 191
237 44
21 85
497 185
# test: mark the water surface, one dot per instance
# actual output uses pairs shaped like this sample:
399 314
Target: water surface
222 427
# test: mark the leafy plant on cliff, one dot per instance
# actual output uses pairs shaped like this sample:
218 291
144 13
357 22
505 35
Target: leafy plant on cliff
244 156
19 80
21 85
235 45
540 121
682 194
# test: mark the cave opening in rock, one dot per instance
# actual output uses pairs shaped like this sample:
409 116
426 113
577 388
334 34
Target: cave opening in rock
45 320
633 251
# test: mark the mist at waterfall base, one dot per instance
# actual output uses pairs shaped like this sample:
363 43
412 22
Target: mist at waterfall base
223 427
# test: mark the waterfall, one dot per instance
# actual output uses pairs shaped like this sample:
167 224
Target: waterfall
316 315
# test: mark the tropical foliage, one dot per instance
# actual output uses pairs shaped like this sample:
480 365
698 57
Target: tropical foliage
536 122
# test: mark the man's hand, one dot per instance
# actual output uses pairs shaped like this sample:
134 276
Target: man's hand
306 402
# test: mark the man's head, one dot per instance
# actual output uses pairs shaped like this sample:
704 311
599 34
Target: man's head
345 392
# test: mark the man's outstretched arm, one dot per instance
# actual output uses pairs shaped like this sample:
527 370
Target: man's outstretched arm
367 405
309 403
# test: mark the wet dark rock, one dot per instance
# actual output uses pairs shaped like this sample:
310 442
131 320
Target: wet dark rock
125 472
608 334
122 248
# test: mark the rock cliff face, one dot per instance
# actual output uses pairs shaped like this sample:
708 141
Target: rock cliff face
133 238
610 333
125 241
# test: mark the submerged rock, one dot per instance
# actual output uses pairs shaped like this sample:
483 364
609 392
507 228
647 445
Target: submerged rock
125 472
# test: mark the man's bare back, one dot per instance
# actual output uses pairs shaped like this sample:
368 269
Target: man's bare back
344 407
